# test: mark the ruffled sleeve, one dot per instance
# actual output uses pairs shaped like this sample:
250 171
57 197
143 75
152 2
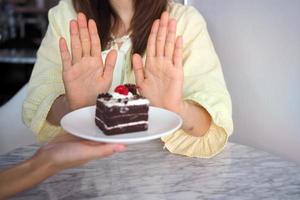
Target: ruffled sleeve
46 82
203 84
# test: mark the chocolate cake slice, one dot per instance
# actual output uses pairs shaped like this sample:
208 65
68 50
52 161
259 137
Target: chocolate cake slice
124 111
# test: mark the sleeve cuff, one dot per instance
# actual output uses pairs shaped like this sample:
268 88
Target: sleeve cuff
218 108
48 132
207 146
37 112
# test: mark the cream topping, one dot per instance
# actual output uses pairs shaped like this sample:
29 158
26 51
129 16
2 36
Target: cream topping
115 100
116 95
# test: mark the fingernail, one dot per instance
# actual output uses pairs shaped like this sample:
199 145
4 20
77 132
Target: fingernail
120 148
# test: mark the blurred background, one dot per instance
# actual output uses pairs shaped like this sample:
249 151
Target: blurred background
23 24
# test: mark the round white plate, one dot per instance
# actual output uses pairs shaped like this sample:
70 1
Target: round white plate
81 123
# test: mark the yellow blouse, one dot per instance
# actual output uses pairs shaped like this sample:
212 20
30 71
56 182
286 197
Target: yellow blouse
203 81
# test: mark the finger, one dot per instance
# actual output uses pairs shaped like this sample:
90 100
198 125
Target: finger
151 45
65 55
161 35
177 57
110 63
95 40
84 34
170 40
105 150
75 42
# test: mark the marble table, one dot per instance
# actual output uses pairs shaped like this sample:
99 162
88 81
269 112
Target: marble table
147 171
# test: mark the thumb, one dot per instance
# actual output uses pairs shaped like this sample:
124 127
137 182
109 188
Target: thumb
110 63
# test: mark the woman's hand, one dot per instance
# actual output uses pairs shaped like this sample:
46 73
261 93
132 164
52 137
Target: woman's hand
84 74
161 80
66 151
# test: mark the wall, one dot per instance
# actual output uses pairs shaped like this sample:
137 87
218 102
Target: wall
258 43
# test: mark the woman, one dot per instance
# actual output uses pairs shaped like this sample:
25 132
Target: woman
185 78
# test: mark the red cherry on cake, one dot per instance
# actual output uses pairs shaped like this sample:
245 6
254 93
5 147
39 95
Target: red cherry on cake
122 89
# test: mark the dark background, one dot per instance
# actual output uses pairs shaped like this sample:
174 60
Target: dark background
23 24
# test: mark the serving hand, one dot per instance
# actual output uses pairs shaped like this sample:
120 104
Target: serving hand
84 73
66 151
161 79
62 152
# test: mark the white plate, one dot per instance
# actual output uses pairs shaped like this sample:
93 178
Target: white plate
81 123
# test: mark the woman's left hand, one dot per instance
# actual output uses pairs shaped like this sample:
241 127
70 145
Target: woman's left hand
161 80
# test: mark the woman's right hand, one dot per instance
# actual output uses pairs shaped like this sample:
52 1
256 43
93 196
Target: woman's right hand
84 73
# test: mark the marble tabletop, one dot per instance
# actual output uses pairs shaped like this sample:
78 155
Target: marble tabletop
147 171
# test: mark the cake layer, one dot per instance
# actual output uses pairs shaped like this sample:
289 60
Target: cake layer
116 110
119 129
112 120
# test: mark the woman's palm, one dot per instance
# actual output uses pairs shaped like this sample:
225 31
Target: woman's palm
164 80
84 81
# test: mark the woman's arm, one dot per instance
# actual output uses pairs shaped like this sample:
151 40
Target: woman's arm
46 84
62 152
196 119
59 108
189 82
